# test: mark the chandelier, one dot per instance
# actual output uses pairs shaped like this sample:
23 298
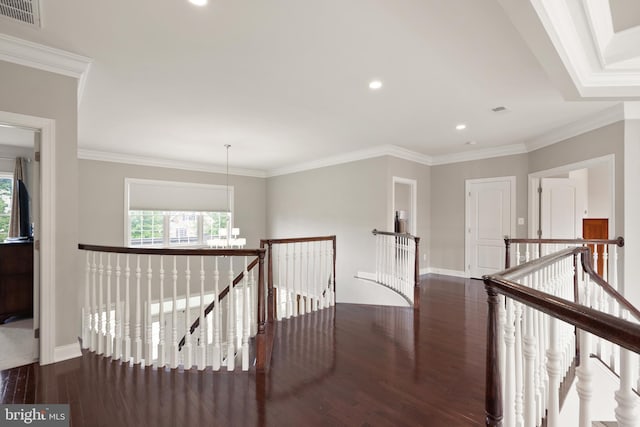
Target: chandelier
227 237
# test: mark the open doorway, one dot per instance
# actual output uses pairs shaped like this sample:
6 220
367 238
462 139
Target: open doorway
19 262
567 201
404 197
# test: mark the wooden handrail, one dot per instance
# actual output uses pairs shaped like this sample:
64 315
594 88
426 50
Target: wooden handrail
587 265
222 294
614 329
170 251
618 241
611 328
297 240
390 233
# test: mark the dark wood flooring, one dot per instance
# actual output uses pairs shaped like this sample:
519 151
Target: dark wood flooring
353 366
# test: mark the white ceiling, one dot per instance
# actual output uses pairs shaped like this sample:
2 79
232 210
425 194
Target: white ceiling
285 82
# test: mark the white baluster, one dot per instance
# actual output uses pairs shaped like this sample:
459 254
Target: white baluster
627 400
509 372
245 318
231 320
554 372
529 351
187 348
86 314
148 320
100 308
162 342
202 341
127 312
286 281
174 318
108 331
517 260
217 355
137 355
308 280
294 257
117 354
584 372
519 416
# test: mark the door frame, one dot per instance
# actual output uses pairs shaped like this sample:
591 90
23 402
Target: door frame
534 181
46 234
467 213
414 202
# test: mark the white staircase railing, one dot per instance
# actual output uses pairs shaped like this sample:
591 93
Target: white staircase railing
534 309
300 275
158 292
398 263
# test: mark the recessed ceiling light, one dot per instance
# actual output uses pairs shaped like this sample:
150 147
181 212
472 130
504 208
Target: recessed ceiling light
375 84
471 142
461 126
198 2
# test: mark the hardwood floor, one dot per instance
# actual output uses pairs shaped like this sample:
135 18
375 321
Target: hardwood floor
353 366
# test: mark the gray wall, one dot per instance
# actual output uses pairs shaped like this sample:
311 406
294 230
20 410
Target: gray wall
590 145
447 241
101 207
42 94
345 200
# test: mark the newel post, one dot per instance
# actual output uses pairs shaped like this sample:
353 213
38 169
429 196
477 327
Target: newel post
334 268
416 288
493 389
507 252
261 342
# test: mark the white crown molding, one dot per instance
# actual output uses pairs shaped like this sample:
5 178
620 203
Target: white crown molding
379 151
41 57
601 63
484 153
104 156
604 118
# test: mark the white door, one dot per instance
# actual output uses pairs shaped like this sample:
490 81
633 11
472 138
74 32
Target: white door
490 217
559 213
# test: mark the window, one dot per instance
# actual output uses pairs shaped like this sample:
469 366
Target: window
166 213
6 193
167 228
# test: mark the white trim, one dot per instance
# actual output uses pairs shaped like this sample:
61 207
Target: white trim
65 352
631 110
445 272
47 232
467 212
104 156
352 156
414 202
365 275
41 57
485 153
534 179
599 62
587 124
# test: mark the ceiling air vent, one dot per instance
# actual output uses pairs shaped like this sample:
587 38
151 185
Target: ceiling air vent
499 109
26 11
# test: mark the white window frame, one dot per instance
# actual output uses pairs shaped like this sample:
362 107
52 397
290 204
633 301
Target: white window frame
9 176
185 185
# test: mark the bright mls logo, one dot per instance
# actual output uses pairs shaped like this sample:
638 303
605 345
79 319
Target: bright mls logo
34 415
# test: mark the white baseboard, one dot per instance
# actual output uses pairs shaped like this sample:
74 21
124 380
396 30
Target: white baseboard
425 270
365 275
444 271
64 352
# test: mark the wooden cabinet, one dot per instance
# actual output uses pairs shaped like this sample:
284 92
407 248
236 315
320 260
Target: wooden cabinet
16 280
